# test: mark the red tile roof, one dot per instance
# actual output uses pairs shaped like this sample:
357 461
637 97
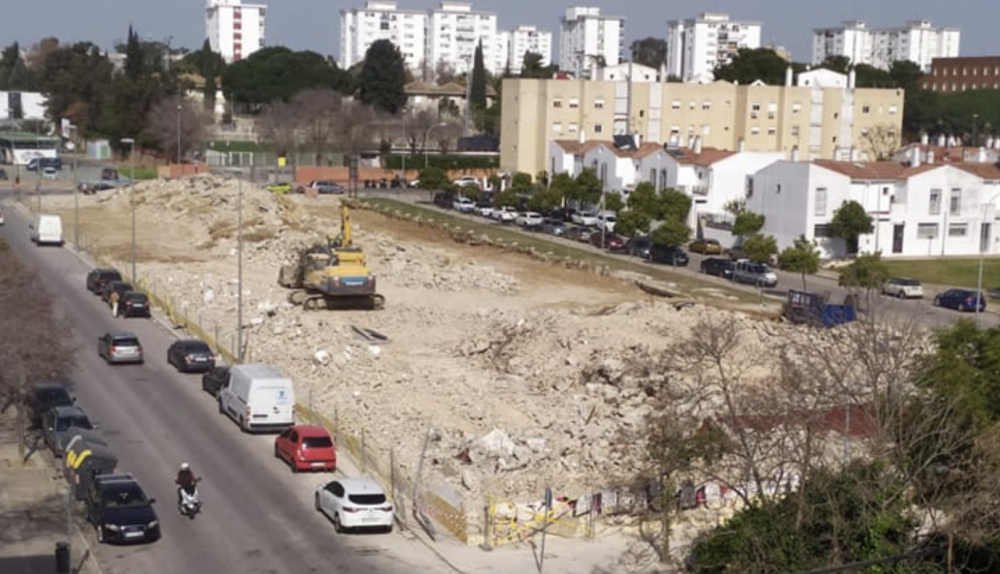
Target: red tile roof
896 171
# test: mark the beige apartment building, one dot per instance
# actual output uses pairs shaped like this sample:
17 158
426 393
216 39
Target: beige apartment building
822 115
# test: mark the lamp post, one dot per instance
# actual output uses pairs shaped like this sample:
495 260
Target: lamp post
979 283
427 136
131 143
406 149
975 130
239 268
179 108
76 192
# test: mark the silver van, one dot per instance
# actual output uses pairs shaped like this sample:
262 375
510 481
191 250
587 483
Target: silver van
258 397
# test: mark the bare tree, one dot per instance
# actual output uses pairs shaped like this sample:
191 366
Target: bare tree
353 124
446 136
178 126
880 143
318 111
444 72
278 126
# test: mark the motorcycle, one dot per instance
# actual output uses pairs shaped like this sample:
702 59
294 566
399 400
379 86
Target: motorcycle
188 502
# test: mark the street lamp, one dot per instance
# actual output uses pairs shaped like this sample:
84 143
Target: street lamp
76 191
979 284
427 136
239 265
131 143
179 107
975 130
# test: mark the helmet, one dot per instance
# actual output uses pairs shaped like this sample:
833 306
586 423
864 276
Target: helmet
185 466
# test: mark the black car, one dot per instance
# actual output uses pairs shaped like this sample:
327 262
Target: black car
213 380
444 199
134 304
121 287
638 247
191 355
553 226
718 266
58 424
120 511
961 300
98 278
3 174
45 396
36 163
669 255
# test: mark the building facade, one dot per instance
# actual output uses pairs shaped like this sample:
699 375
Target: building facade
696 46
589 40
824 116
917 41
382 20
951 75
525 39
235 30
453 32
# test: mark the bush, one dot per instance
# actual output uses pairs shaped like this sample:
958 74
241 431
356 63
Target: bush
445 162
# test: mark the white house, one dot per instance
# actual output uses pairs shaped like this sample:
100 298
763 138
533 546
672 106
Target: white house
918 209
625 71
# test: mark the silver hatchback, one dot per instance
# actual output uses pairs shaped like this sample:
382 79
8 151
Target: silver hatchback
120 347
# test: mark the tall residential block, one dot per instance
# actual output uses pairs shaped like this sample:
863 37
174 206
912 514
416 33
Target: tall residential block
822 116
382 20
696 46
917 41
589 40
235 30
524 39
453 32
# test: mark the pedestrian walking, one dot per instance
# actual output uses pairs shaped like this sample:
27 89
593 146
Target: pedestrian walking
114 303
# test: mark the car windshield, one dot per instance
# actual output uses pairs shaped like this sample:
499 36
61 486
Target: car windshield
367 499
126 342
75 421
135 296
760 268
197 347
53 396
125 498
907 282
317 442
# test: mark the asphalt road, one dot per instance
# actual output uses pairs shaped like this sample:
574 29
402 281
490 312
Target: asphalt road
258 517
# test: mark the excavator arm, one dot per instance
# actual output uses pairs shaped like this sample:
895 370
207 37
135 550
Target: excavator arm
345 228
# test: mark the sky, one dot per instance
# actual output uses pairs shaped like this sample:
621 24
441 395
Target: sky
315 24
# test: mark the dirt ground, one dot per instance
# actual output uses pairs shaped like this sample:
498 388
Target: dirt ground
514 366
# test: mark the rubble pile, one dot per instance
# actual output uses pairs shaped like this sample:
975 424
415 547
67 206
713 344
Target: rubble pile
520 383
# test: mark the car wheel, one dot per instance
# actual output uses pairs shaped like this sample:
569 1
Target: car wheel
100 534
221 410
316 503
276 454
295 466
937 301
337 526
901 295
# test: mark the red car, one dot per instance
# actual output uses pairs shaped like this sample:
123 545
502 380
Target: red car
306 447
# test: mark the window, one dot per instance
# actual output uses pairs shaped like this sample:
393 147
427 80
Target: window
958 230
819 204
866 109
772 130
598 104
574 103
573 127
893 110
706 105
675 105
927 230
706 130
557 128
955 205
822 230
598 128
935 202
556 103
796 108
652 177
795 131
663 179
755 130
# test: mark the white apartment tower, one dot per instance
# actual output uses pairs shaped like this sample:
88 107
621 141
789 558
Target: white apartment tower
527 39
917 41
454 31
587 38
234 30
696 46
381 20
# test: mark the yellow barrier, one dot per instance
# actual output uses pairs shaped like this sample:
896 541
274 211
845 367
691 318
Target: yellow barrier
510 522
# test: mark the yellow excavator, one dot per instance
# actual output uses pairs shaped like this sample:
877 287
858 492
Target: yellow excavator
332 275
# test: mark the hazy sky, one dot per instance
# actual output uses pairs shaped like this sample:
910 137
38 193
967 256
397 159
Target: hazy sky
315 24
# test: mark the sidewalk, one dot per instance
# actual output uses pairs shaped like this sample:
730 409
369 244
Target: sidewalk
33 511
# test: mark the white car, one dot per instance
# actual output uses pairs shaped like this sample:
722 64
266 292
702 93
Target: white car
903 288
463 205
606 220
485 210
504 215
355 503
466 180
49 173
584 218
529 219
2 220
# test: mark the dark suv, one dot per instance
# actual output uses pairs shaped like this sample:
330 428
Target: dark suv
191 355
668 254
214 379
120 511
37 163
121 287
58 424
45 396
98 278
134 304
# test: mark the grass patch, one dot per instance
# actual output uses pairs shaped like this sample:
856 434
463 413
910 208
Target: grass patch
141 173
962 272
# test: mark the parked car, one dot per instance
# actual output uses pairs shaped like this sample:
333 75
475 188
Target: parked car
281 188
58 424
354 503
564 214
306 447
529 219
504 214
607 220
718 266
120 511
121 287
45 396
579 233
91 187
903 288
191 356
484 209
609 241
553 226
444 199
669 255
214 379
463 205
584 218
36 163
706 246
638 246
134 304
752 273
466 181
322 186
50 173
121 347
98 278
961 300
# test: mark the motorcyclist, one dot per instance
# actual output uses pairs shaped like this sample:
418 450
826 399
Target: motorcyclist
186 481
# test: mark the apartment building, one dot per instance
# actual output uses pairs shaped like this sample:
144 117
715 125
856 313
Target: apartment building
588 40
919 208
382 20
917 41
235 30
525 39
951 75
454 31
821 115
696 46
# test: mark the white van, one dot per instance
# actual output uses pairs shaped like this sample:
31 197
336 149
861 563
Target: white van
46 229
258 397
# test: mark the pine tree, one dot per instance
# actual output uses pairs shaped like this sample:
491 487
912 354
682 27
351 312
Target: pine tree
477 91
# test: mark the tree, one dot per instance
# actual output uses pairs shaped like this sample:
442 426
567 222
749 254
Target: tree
676 206
587 190
383 78
632 223
532 66
135 62
849 222
78 84
162 127
866 273
671 232
276 73
14 73
880 143
433 178
477 89
545 199
319 112
760 248
836 63
650 52
613 201
747 223
802 257
751 65
644 199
